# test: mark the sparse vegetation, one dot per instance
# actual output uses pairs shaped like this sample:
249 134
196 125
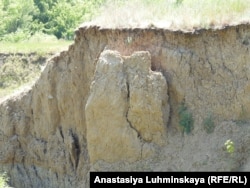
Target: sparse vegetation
4 180
208 123
19 70
173 14
186 120
229 146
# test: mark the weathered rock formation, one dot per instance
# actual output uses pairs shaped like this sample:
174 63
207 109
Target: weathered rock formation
127 108
111 102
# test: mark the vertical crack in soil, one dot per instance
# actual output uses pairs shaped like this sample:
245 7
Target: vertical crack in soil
76 149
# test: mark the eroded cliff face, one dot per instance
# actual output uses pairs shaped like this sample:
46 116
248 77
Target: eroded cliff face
111 102
127 108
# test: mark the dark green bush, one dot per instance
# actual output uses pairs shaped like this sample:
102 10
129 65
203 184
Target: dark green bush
186 120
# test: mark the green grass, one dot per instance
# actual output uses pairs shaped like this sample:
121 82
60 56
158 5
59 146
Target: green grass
39 43
173 14
33 46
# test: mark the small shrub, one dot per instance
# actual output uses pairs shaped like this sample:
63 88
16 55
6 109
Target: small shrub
178 2
229 146
42 37
186 120
4 180
208 124
17 36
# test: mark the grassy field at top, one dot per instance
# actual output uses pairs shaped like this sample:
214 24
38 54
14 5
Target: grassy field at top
173 14
39 43
34 47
